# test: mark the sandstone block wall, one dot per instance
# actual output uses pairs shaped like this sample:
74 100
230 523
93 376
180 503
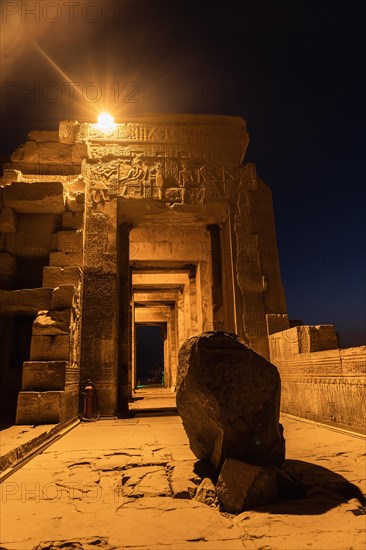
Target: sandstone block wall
320 381
41 256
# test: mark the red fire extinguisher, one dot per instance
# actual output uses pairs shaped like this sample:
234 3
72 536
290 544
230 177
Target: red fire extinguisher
89 393
88 401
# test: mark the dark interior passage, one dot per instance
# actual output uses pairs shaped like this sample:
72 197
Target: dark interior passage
15 341
149 356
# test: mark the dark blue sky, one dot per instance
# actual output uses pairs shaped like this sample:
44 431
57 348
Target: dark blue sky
293 70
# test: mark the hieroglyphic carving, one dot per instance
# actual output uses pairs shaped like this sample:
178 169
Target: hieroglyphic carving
108 151
97 194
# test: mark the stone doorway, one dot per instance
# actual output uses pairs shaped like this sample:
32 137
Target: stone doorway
150 361
15 344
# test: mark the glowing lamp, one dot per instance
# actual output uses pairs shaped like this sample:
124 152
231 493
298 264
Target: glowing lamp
105 122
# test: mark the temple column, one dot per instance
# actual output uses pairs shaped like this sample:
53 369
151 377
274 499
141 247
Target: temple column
100 301
124 377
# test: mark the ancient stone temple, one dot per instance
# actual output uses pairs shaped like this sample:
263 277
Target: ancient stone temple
151 221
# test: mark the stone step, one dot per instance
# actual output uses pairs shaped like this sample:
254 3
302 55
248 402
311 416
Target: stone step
44 375
46 407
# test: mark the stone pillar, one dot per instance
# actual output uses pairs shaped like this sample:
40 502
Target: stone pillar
125 318
228 278
193 299
132 359
216 262
251 324
100 302
173 347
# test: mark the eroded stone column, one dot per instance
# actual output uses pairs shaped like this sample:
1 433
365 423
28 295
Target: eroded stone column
216 266
100 303
124 319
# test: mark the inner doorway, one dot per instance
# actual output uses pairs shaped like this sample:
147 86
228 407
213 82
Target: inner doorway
149 356
15 342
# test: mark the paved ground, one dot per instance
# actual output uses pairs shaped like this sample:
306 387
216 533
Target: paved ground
110 484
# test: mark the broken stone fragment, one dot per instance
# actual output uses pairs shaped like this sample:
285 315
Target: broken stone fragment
52 322
75 201
145 481
68 130
10 175
228 397
62 297
206 492
243 486
183 479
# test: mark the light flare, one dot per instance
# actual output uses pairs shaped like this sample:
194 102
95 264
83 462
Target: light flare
105 122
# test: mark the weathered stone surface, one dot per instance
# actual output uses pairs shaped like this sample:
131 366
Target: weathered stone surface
229 398
56 276
206 492
46 407
38 224
44 375
64 259
70 241
145 481
79 151
183 479
28 244
18 154
36 197
54 152
62 297
52 322
72 220
243 486
8 221
30 152
68 130
50 348
75 202
28 301
69 482
42 136
10 175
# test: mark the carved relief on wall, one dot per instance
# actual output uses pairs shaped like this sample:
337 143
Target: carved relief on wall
172 181
135 132
97 194
179 179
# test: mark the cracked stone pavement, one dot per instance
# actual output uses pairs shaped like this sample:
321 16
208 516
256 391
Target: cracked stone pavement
127 484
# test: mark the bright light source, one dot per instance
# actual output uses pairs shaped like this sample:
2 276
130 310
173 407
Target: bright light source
105 122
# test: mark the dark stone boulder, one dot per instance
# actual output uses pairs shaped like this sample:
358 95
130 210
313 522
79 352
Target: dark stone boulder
228 397
243 486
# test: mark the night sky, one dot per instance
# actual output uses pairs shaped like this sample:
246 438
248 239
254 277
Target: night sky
293 70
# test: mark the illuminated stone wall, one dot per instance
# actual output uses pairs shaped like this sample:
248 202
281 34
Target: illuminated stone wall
154 207
320 381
